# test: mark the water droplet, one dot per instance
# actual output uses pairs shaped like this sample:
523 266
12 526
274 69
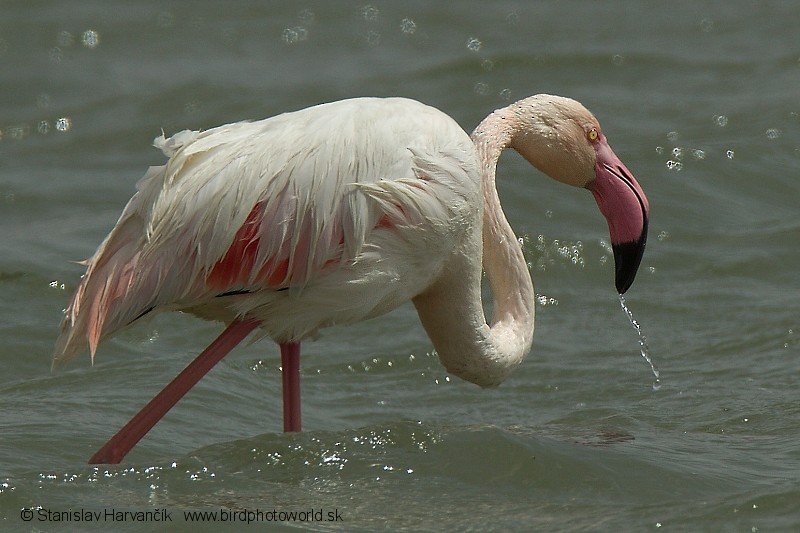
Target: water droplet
481 88
373 37
165 19
294 35
674 165
90 39
473 44
505 94
677 152
369 12
721 120
617 59
773 133
63 124
662 236
17 132
408 26
672 136
43 100
698 154
65 38
730 154
305 15
659 150
706 25
643 347
190 108
56 55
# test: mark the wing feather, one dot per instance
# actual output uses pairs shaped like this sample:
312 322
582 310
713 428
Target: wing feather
268 204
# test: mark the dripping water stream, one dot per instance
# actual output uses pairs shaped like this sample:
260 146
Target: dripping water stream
643 347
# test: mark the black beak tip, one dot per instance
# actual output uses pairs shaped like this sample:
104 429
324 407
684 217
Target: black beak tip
627 258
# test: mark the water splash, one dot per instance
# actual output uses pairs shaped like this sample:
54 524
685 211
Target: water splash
643 347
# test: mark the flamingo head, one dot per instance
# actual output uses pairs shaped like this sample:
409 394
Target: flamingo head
560 137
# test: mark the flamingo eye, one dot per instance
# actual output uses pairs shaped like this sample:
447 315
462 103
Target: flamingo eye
592 135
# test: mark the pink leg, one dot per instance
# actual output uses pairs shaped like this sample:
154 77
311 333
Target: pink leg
120 444
290 365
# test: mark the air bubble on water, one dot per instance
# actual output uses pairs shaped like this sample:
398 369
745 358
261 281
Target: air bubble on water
730 154
43 127
659 150
674 165
672 136
618 59
505 94
698 154
677 152
644 349
663 235
721 120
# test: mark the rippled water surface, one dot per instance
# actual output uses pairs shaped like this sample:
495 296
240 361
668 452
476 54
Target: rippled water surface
700 100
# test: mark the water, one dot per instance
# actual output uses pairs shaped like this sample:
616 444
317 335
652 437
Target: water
644 348
698 99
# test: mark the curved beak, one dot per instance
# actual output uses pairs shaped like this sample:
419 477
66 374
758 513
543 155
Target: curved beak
623 203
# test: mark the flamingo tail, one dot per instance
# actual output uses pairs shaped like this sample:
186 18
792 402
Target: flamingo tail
105 301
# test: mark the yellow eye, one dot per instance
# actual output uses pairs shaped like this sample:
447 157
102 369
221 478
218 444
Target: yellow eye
592 135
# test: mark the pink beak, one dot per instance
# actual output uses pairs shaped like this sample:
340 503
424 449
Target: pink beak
623 203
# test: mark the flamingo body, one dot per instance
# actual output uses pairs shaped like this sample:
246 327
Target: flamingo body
339 213
329 215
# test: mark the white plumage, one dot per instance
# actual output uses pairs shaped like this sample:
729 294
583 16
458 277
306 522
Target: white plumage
335 214
320 192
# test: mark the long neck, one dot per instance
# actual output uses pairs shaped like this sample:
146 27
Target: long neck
452 311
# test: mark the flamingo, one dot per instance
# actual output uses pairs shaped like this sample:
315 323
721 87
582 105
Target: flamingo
339 213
